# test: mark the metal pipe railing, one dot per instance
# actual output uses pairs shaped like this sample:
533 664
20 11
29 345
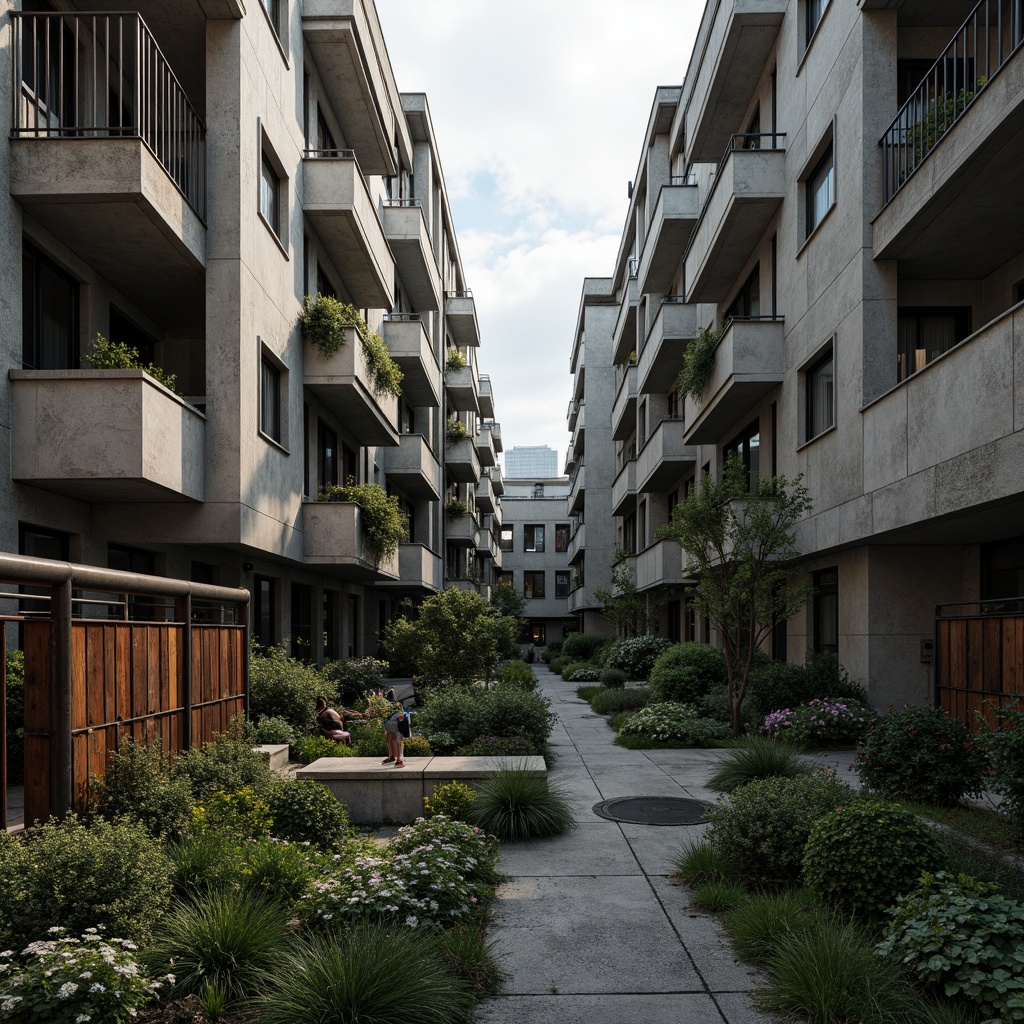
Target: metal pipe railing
981 46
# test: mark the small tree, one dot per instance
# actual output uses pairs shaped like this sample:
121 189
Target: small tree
457 638
507 600
741 548
632 612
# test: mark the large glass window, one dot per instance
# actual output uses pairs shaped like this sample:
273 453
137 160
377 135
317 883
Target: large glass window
270 399
506 538
327 454
264 611
747 304
821 190
270 195
924 334
49 310
533 585
820 397
533 538
747 448
562 583
826 610
562 537
815 12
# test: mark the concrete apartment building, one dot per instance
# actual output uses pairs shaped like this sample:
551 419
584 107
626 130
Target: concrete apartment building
179 176
535 540
523 462
835 183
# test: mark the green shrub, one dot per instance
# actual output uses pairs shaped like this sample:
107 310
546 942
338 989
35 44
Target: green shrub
635 655
699 862
581 646
464 713
226 764
15 716
384 524
109 875
674 722
824 722
613 702
205 861
589 674
116 355
1005 748
921 753
718 896
282 687
499 746
613 677
369 973
569 668
468 955
280 871
757 926
139 783
306 811
862 856
778 684
515 805
349 680
417 746
717 705
452 799
243 813
272 729
553 649
312 748
517 673
556 664
964 935
763 827
687 672
758 757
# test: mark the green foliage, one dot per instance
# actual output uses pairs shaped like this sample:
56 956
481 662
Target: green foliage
466 713
457 638
285 688
500 746
515 805
455 509
507 600
762 827
15 716
517 673
687 672
778 684
272 729
110 875
825 722
938 118
964 935
384 523
718 896
226 764
307 812
757 926
115 355
455 431
758 757
455 360
139 784
613 677
312 748
699 362
612 702
350 680
674 722
45 983
242 813
225 938
862 856
635 655
699 862
1005 748
369 973
586 674
631 611
452 799
921 753
742 549
568 668
581 646
468 955
385 374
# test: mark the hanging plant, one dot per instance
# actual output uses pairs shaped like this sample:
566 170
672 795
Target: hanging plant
385 376
115 355
384 524
699 362
456 431
455 361
455 508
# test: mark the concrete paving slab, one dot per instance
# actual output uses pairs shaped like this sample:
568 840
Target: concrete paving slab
657 847
593 848
669 1008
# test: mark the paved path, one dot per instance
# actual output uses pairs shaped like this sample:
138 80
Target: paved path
591 926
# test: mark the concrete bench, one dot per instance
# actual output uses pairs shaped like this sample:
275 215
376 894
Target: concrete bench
377 793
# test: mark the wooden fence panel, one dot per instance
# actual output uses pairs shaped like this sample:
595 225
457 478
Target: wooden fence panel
37 720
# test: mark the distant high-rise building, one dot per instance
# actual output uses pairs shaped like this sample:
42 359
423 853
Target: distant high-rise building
531 461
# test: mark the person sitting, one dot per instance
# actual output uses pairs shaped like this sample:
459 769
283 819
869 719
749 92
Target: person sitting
331 722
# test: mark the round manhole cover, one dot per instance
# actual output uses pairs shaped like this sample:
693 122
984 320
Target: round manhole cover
653 810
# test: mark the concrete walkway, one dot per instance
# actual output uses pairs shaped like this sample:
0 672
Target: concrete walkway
591 926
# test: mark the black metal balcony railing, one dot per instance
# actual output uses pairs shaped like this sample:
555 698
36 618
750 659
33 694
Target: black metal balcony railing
749 140
87 76
329 154
403 317
682 179
988 38
402 202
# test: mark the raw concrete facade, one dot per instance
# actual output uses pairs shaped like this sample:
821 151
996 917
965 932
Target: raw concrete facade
870 296
265 155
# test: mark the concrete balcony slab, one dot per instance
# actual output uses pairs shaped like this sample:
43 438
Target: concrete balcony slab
463 532
409 345
414 468
665 457
419 571
332 538
624 339
463 389
486 500
661 359
460 312
407 234
461 462
675 216
485 449
661 565
577 490
486 396
624 407
624 489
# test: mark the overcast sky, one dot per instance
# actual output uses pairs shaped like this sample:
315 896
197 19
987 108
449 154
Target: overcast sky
539 109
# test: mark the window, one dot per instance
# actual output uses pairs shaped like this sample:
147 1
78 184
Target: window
821 190
506 538
39 542
747 448
562 537
125 559
124 332
533 538
820 397
49 304
815 12
273 9
924 334
826 610
1018 292
270 195
562 583
264 611
327 455
324 136
539 633
747 304
270 399
533 585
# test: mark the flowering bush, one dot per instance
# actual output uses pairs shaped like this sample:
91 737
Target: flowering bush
64 980
671 721
827 722
584 675
635 655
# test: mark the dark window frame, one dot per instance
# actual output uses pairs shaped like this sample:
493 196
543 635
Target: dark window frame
507 545
31 348
563 582
961 317
812 428
741 445
271 192
826 605
530 536
271 379
814 13
814 185
531 590
562 537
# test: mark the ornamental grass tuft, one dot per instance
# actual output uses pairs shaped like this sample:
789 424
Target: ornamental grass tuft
758 757
514 804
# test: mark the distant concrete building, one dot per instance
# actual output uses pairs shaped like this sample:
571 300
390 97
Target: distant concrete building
527 462
535 533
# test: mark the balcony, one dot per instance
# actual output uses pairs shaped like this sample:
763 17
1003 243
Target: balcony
414 468
494 429
665 457
749 363
570 415
494 475
579 434
337 203
624 488
342 381
486 396
332 537
473 586
660 565
577 544
462 389
461 462
577 490
662 356
419 570
108 154
407 341
485 448
675 216
624 332
745 197
347 47
487 546
463 532
105 435
460 312
737 44
486 500
951 157
579 382
407 234
624 406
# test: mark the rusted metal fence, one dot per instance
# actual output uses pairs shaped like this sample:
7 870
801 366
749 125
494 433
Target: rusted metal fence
111 655
979 657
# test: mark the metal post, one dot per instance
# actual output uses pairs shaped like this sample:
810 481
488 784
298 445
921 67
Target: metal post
183 612
61 754
3 725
